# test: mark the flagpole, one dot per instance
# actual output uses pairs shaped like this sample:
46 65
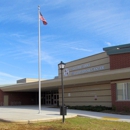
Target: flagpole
39 60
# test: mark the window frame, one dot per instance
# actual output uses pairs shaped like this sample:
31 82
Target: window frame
125 95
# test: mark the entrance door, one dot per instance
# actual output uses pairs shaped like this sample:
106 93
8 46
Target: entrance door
55 99
48 99
6 100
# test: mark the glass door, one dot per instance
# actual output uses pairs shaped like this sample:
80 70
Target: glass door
48 99
55 99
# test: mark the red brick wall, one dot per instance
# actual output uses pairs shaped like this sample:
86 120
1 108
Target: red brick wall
118 61
22 98
1 98
19 98
119 105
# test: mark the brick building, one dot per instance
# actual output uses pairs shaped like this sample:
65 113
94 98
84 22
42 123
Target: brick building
101 79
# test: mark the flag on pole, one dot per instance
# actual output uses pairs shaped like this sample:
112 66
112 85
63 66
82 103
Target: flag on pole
42 19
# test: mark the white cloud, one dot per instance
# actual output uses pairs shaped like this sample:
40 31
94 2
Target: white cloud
81 49
8 78
10 65
8 75
16 35
108 43
54 4
107 20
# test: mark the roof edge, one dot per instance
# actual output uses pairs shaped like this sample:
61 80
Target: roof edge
119 49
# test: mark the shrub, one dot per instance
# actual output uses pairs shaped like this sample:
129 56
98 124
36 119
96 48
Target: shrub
90 108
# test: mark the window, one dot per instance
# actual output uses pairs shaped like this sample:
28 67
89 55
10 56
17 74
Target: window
123 91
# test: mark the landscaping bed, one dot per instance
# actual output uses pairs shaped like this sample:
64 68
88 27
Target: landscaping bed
99 109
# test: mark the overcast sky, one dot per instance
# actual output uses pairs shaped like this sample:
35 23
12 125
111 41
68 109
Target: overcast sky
75 29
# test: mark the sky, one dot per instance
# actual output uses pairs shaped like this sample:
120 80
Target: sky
75 29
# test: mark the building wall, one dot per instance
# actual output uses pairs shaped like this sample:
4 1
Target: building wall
119 105
19 98
26 80
119 61
92 64
87 95
1 98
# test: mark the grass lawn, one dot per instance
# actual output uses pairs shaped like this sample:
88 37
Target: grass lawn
77 123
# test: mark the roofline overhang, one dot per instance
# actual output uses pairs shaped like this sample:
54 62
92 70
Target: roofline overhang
119 49
110 75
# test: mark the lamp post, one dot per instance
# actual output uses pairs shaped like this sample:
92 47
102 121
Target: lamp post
61 67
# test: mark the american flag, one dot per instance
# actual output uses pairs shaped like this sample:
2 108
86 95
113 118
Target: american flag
42 19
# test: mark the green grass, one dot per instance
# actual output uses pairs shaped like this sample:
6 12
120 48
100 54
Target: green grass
78 123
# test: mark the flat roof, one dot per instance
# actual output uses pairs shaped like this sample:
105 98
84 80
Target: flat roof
119 49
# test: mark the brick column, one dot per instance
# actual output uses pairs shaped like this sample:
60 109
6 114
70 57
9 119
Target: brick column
118 105
1 97
119 61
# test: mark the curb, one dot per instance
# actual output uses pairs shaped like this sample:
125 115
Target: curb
35 120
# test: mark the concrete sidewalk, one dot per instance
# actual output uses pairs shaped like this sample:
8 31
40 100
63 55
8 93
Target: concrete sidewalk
29 114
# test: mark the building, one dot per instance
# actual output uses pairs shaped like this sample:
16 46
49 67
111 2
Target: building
101 79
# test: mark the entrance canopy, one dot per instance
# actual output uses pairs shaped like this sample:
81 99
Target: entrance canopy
54 84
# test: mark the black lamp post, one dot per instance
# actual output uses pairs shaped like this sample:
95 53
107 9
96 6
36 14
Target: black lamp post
61 67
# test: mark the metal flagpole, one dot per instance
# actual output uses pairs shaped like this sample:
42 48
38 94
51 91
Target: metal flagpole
39 60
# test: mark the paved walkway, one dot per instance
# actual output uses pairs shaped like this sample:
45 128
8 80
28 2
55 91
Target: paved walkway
29 114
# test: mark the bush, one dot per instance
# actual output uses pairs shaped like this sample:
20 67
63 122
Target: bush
90 108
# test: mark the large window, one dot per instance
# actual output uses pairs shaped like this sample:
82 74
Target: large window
123 91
